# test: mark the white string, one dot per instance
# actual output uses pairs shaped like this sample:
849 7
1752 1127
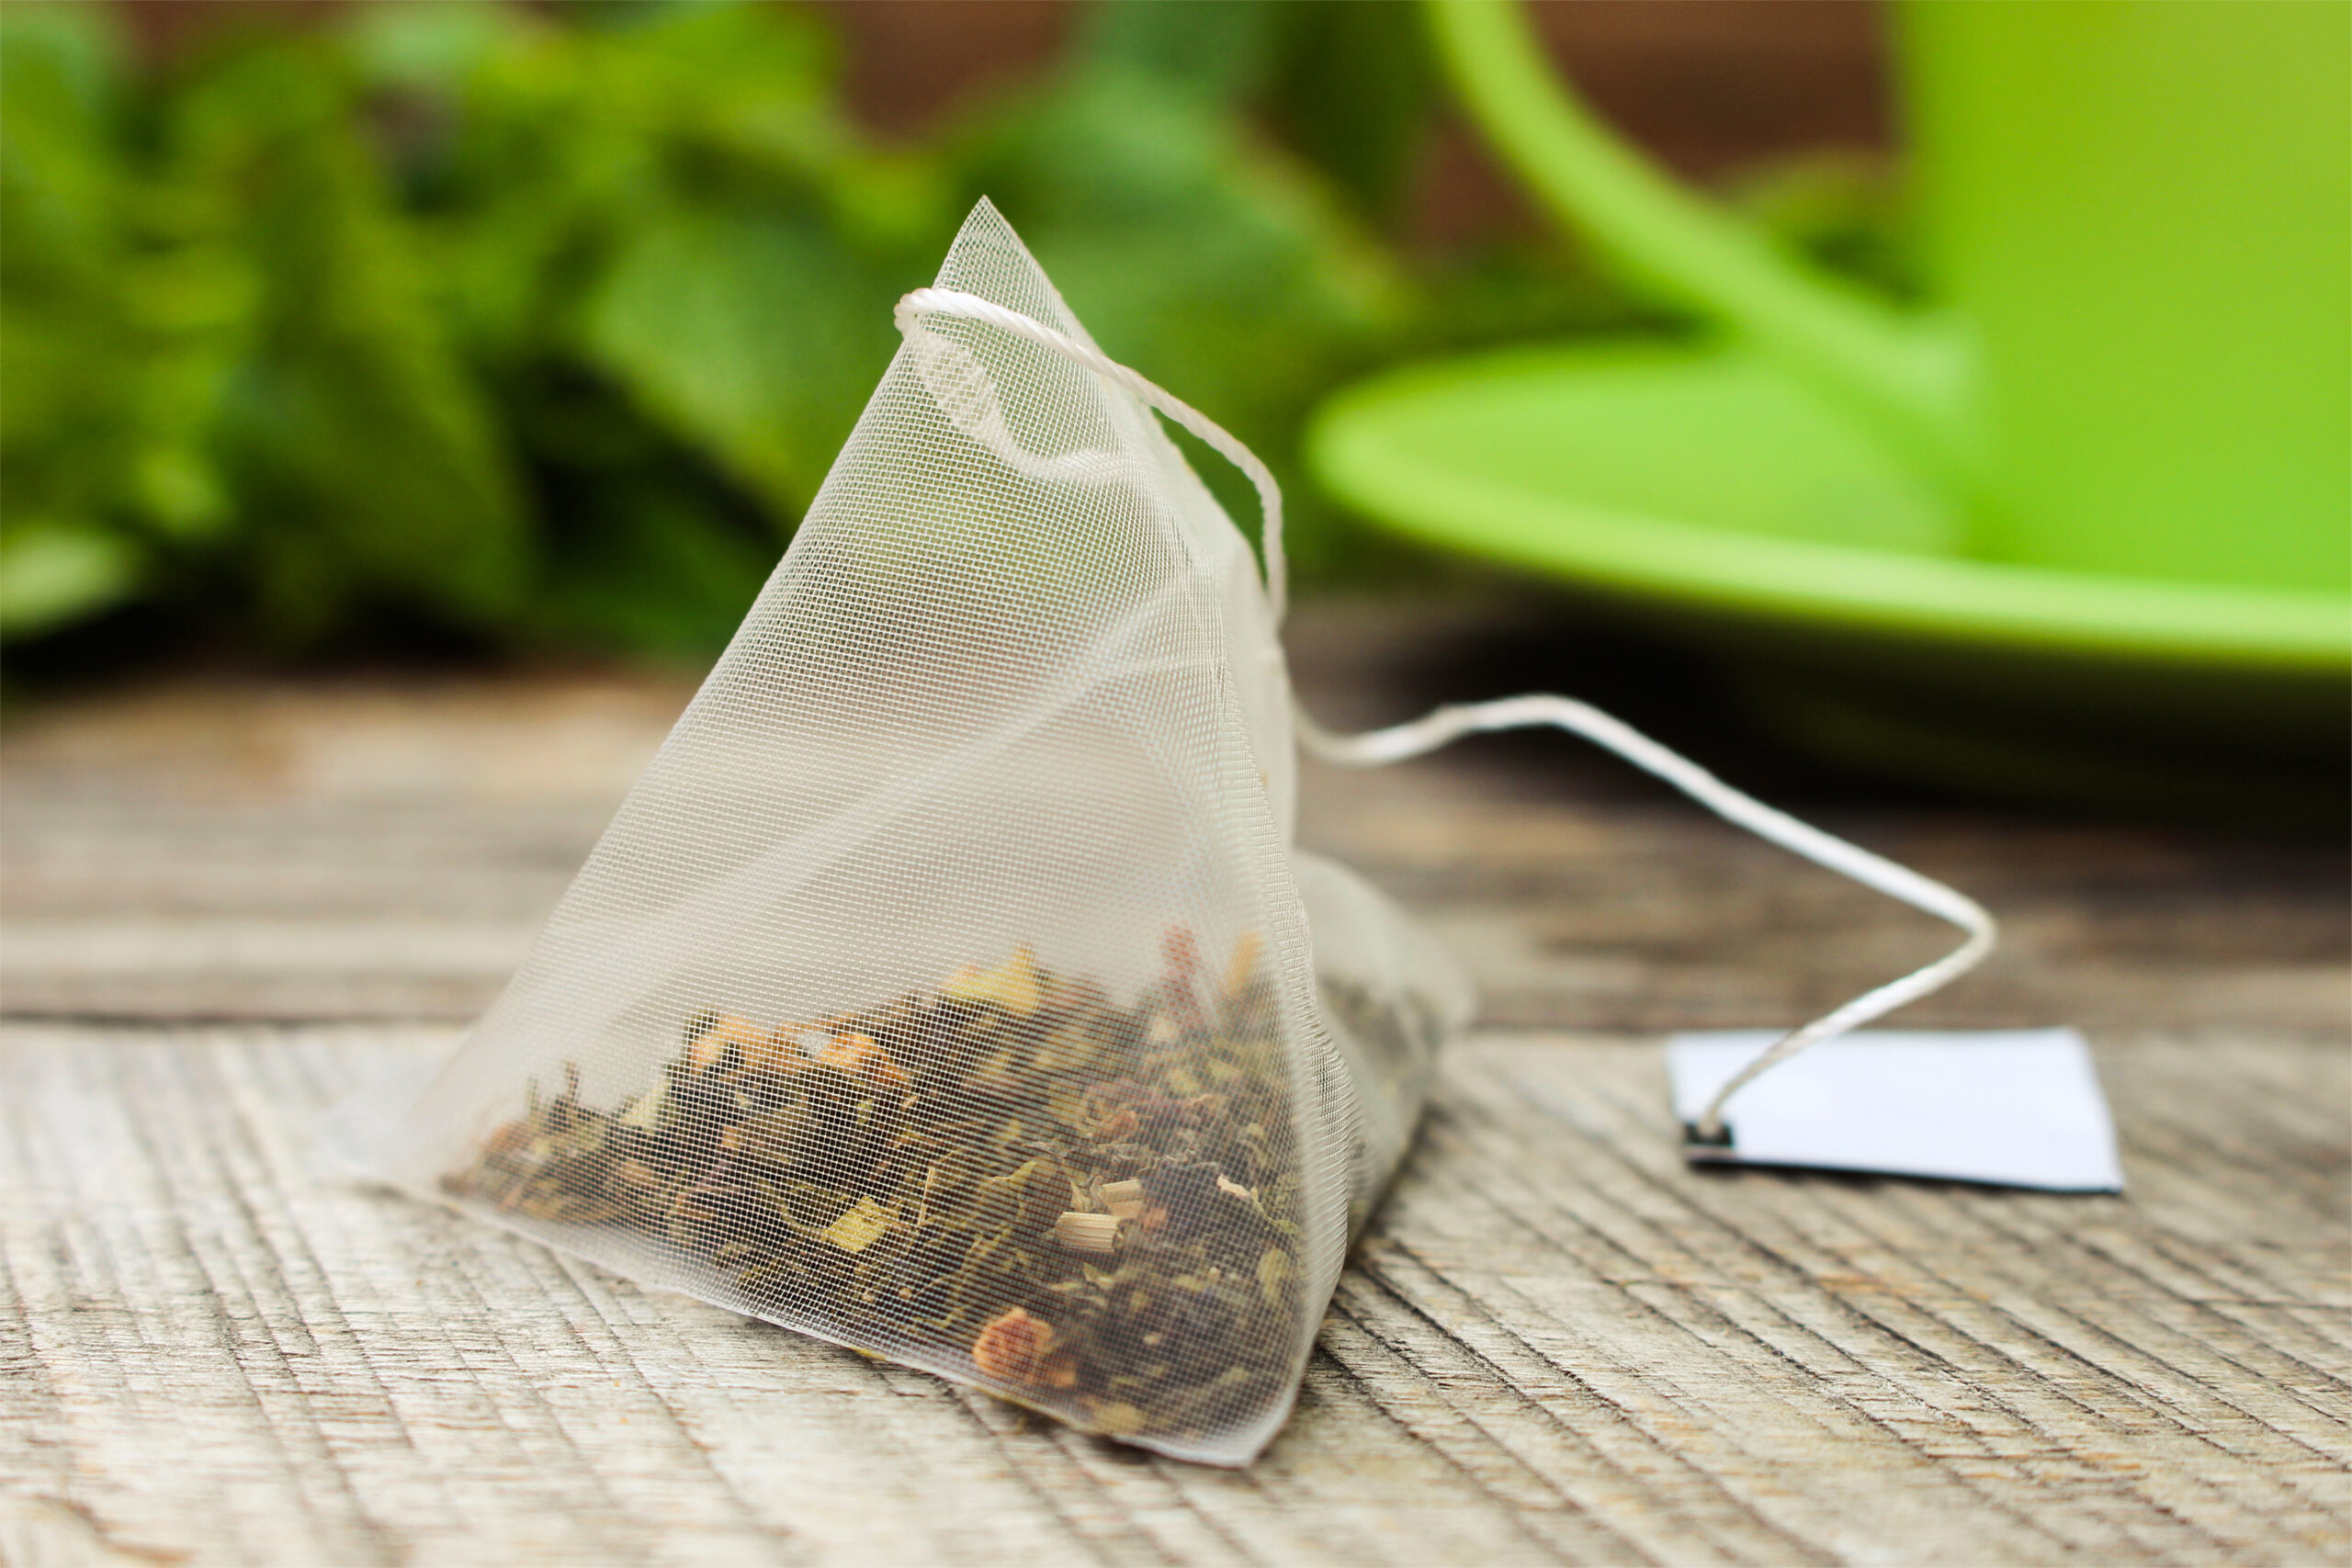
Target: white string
972 308
1443 726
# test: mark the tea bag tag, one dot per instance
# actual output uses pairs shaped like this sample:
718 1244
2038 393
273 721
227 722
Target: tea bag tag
2011 1107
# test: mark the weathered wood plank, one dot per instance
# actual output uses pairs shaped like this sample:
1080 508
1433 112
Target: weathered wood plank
1569 912
1559 1344
384 849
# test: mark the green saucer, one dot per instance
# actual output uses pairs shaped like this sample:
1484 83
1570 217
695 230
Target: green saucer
1707 486
1711 478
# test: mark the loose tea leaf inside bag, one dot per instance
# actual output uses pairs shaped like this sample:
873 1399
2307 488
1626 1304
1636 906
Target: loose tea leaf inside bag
949 986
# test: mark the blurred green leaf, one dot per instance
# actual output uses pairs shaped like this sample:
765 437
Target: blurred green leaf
756 334
541 325
1197 251
53 573
653 564
65 434
1221 53
1352 85
59 73
674 203
427 48
372 466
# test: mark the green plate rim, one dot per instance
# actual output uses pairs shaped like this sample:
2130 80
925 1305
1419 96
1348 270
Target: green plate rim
2030 609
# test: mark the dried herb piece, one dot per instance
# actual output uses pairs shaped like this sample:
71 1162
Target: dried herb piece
1092 1207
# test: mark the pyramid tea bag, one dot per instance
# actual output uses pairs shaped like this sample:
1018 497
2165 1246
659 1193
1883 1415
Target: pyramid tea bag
944 988
949 986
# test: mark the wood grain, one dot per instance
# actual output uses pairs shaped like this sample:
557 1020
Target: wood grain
1559 1344
332 853
222 908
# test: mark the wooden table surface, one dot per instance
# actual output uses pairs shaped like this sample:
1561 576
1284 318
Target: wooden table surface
226 905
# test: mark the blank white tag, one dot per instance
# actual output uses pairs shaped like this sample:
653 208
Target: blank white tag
2017 1107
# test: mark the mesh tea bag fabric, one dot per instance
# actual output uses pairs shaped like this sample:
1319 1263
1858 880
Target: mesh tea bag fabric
944 988
949 987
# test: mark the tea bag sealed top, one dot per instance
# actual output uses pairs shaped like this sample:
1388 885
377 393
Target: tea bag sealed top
945 987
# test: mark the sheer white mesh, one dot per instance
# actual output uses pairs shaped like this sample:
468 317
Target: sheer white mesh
945 988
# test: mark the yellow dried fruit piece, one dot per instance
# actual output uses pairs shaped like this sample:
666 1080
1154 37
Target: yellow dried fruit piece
859 1054
712 1042
644 1113
1016 985
1244 963
1274 1270
1115 1417
860 1226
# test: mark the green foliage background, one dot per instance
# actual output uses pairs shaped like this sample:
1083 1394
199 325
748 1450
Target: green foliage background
475 326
